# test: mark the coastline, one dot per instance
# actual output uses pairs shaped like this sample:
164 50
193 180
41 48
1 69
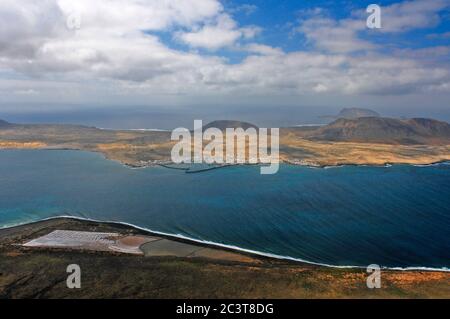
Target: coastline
231 248
27 272
130 160
182 237
165 163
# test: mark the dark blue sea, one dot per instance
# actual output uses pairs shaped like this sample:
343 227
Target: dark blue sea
396 216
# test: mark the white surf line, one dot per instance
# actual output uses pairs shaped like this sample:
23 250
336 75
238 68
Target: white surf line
232 247
386 165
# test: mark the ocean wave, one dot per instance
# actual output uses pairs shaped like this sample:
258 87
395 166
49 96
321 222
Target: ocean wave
232 247
432 164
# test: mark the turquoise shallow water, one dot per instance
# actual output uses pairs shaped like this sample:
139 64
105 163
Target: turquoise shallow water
395 216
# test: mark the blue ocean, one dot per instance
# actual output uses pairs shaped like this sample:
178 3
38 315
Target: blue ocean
396 216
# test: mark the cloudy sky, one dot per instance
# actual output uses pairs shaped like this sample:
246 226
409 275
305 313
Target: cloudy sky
224 55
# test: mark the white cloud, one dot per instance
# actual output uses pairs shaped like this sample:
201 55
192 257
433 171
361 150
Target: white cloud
409 15
110 42
335 35
343 36
262 49
248 9
111 55
431 54
119 16
26 92
445 35
220 33
27 24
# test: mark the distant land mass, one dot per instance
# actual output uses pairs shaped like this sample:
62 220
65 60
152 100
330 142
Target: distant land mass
365 140
224 124
352 113
385 130
4 124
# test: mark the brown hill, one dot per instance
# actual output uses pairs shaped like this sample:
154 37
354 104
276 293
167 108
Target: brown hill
224 124
385 130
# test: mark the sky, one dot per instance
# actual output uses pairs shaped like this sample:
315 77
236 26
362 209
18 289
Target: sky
266 60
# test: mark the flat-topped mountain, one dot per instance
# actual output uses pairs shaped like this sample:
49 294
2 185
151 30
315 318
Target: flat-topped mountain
354 112
385 130
224 124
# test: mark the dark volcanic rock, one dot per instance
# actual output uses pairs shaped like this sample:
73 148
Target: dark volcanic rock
224 124
353 113
385 130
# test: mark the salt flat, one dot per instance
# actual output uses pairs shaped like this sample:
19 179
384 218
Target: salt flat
91 241
149 246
